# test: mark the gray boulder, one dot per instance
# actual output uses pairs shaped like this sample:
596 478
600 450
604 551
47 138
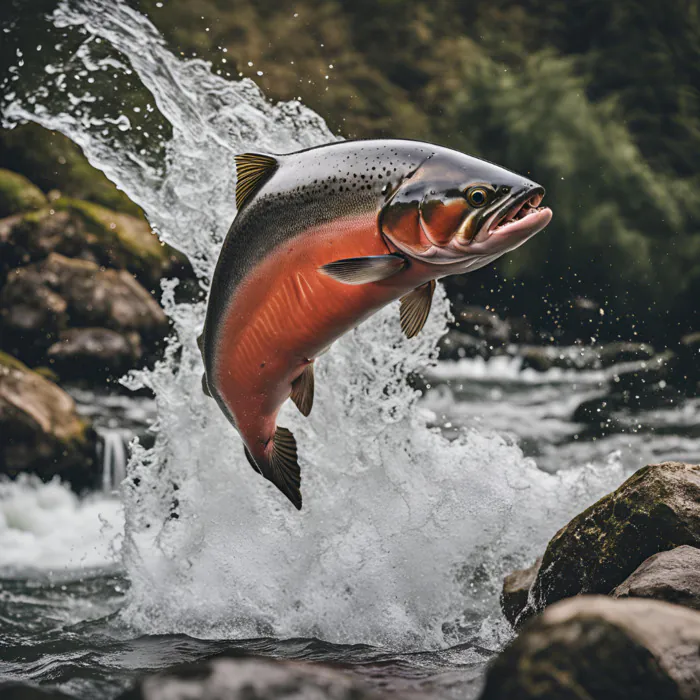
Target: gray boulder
673 576
599 648
249 679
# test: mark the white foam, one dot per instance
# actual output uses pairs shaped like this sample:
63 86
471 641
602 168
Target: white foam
402 530
46 526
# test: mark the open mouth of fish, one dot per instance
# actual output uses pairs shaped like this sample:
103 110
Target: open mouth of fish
522 216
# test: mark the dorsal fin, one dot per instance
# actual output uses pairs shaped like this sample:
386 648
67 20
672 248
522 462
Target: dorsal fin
252 171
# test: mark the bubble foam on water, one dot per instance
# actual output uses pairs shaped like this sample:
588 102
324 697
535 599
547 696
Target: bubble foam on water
404 534
47 527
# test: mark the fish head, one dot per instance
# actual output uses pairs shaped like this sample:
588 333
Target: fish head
462 211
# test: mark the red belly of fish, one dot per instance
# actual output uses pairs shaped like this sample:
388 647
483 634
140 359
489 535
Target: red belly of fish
286 312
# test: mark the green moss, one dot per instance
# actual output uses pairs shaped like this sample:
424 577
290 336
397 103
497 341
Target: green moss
18 194
10 362
53 161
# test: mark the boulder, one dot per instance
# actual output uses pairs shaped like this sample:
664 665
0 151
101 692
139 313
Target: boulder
40 429
598 648
225 678
94 353
516 588
17 194
656 509
484 324
88 231
455 345
43 299
673 576
21 691
616 353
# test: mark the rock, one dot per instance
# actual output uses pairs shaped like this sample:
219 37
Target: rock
656 509
94 354
53 161
516 588
673 576
90 232
20 691
40 429
41 300
484 324
455 345
249 679
688 364
543 358
598 648
616 353
17 194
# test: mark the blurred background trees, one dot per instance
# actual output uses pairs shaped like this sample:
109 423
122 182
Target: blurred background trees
598 101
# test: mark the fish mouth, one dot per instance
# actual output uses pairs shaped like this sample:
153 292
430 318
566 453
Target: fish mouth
521 214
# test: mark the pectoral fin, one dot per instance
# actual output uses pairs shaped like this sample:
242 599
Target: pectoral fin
303 390
415 307
205 386
373 268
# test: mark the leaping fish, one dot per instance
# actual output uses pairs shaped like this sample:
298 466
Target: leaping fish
325 237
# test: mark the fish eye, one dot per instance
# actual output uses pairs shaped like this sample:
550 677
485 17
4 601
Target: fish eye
477 196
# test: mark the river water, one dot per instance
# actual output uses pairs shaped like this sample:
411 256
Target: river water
415 506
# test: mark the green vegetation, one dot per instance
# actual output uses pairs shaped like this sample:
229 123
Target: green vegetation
598 101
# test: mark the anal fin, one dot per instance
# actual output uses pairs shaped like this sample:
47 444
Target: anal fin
303 390
415 307
372 268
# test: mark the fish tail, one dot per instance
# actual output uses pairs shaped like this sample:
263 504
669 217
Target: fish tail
279 465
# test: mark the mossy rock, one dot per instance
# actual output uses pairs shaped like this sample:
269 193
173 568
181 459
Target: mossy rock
18 194
127 242
79 229
54 162
41 431
656 509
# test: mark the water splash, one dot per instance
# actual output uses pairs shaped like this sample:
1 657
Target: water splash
404 534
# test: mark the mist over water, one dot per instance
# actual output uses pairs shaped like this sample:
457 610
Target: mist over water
404 534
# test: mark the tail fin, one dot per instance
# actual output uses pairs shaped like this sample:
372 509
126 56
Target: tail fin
282 467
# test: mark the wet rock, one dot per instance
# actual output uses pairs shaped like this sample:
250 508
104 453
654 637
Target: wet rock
483 324
516 588
688 363
249 679
543 358
84 230
40 429
656 509
673 576
598 648
17 194
616 353
94 354
455 345
21 691
40 300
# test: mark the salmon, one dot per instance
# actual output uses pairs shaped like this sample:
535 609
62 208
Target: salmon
322 239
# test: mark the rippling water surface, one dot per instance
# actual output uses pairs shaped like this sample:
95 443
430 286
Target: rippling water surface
414 508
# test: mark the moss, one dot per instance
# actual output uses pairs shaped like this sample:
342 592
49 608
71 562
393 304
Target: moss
126 241
18 194
53 161
10 362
